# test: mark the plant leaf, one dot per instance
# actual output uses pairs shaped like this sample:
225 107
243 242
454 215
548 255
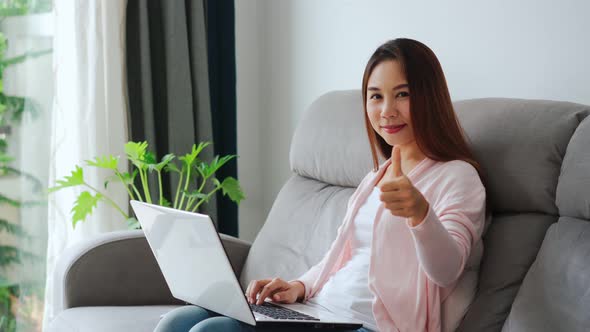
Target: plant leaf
203 169
108 162
231 187
9 255
135 152
84 205
37 184
4 158
23 57
75 179
10 201
128 179
149 158
14 229
165 160
168 158
18 105
165 202
200 167
194 194
171 167
216 164
190 158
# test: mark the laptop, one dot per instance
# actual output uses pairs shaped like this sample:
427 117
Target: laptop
194 263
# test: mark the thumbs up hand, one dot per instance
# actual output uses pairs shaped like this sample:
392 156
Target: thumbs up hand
399 195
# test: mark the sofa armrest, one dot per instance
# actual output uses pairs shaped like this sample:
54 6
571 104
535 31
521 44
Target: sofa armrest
118 268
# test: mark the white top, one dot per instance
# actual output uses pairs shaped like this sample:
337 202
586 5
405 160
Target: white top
347 292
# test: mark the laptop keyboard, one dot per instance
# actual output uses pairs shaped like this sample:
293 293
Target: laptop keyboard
278 312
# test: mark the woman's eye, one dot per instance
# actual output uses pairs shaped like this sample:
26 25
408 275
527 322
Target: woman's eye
403 94
375 96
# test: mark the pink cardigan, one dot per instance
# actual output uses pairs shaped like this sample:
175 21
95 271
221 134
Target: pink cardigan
413 269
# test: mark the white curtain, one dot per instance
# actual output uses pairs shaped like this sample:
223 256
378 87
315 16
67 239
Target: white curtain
88 119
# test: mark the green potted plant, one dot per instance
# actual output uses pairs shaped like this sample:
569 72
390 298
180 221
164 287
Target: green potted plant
193 173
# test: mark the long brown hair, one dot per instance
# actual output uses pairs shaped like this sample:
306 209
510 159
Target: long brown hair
437 131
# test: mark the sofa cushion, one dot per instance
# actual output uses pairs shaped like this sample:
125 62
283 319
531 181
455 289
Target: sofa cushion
330 143
521 145
299 229
510 247
112 319
573 190
555 295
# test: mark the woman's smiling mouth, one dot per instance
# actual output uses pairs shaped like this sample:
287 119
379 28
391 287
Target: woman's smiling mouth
392 129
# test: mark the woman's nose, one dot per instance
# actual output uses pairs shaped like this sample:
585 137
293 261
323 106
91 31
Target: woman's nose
389 109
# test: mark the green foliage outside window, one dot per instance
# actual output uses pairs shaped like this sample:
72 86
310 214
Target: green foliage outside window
13 301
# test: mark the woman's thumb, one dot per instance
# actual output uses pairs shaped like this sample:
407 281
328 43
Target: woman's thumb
397 161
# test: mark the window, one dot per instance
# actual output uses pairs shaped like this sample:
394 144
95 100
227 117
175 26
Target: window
26 94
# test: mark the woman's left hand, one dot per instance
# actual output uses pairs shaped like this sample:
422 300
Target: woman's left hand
399 195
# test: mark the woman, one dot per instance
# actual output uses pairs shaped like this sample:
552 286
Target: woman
412 222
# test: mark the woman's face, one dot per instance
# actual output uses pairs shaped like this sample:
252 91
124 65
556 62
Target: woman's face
388 103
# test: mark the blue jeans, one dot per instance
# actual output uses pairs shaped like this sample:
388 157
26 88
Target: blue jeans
197 319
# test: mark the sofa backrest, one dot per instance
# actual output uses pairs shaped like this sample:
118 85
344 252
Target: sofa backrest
521 145
555 294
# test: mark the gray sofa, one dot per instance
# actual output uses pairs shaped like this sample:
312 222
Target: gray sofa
535 270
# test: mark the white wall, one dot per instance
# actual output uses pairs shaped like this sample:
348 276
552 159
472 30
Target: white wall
291 52
249 111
